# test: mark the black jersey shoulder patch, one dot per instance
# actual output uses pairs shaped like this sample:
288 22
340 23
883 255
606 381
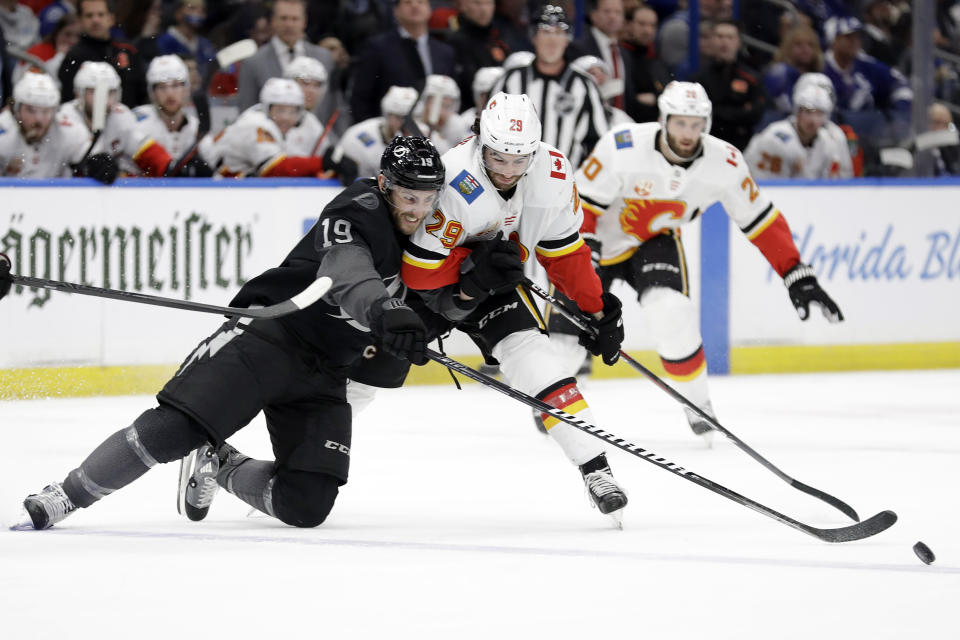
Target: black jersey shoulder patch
368 201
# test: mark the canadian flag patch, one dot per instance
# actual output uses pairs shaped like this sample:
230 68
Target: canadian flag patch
558 165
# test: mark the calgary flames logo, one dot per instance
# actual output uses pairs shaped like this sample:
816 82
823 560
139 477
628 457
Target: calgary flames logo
643 219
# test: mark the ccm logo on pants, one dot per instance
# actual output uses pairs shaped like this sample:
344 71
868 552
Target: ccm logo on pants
337 447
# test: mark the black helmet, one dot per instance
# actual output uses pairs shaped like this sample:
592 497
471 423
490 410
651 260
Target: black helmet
412 162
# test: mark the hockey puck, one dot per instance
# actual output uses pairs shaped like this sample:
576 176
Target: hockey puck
923 552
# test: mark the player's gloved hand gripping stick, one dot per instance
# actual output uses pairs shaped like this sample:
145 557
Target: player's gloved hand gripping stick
582 323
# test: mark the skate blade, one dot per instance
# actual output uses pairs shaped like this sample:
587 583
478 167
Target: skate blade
186 470
707 439
617 518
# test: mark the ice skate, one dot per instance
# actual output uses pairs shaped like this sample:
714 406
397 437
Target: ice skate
701 427
605 493
198 482
45 509
230 459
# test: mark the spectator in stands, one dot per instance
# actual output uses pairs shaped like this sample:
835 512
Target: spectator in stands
353 21
6 65
183 37
602 40
820 11
138 21
512 21
805 145
51 14
404 57
880 40
96 45
54 46
649 75
674 36
862 83
735 89
946 35
289 22
20 27
476 41
946 159
799 52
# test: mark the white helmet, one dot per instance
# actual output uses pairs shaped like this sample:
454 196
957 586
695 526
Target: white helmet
685 99
167 69
518 59
91 74
611 87
36 89
281 91
398 101
509 124
816 79
438 87
484 79
306 68
812 96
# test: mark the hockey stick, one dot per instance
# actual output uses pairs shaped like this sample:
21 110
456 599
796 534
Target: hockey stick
28 58
582 324
326 130
870 527
302 300
229 55
98 117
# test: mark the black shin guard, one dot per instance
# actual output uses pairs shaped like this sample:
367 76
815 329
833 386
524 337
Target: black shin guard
158 435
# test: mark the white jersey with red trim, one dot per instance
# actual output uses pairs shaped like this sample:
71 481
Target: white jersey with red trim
364 144
776 152
152 125
543 215
63 145
250 146
301 140
121 136
635 193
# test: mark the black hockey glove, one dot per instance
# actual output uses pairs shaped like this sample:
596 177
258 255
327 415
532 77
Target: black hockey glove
803 288
346 169
99 166
5 279
401 331
494 266
607 336
194 167
595 246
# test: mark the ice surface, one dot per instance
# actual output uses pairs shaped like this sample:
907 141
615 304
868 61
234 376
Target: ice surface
462 521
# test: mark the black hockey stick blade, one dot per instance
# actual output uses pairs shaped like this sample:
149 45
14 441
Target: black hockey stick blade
870 527
578 321
302 300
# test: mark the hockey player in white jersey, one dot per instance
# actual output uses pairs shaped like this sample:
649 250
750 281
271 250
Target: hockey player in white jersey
510 198
309 137
365 141
483 81
608 86
439 108
168 118
255 145
641 183
805 145
34 142
122 146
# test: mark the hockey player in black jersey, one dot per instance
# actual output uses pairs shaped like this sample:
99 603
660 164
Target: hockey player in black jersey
294 368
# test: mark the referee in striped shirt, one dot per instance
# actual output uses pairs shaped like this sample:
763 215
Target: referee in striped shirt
567 100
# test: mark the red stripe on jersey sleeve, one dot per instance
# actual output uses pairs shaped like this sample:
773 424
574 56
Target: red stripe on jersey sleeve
574 276
295 167
589 221
776 244
426 278
153 160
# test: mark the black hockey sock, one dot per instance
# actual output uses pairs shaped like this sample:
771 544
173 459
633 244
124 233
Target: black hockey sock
251 481
158 435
